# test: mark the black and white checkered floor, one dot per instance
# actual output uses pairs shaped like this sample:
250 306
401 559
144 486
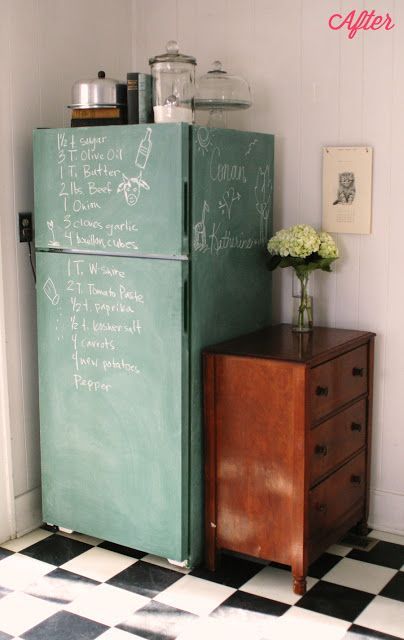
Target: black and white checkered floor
72 587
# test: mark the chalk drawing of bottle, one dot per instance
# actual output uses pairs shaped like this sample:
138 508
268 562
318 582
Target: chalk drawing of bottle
144 149
50 291
53 242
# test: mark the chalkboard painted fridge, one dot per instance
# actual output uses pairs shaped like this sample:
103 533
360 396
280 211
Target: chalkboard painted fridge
150 245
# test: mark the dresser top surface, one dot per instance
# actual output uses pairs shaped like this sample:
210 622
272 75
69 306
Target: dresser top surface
281 343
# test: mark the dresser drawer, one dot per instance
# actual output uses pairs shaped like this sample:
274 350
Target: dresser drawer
336 439
333 499
338 381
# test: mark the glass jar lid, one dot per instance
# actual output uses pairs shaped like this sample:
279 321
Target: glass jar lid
172 55
218 89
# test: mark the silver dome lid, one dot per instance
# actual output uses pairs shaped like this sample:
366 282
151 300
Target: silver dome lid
98 92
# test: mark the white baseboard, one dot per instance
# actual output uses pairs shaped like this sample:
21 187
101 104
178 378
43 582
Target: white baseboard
28 511
386 511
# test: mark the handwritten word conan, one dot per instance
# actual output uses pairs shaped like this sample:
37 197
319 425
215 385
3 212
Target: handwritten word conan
356 21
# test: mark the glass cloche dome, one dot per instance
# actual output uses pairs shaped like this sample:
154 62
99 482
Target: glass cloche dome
219 91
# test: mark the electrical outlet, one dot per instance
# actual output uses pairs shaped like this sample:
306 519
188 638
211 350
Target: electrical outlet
25 226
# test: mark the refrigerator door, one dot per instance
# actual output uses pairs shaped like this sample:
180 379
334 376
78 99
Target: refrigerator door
232 199
113 373
112 190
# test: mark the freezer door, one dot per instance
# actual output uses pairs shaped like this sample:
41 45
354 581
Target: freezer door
112 190
113 368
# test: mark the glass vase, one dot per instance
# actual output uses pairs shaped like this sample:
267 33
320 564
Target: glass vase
303 307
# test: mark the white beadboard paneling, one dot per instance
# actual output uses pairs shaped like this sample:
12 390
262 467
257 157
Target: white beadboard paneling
213 37
351 82
320 113
319 102
50 37
373 281
350 133
28 511
347 269
377 131
188 30
25 81
392 380
387 511
96 35
20 288
239 55
276 87
159 25
7 510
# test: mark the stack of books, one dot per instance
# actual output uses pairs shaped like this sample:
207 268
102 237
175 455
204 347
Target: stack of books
140 105
98 116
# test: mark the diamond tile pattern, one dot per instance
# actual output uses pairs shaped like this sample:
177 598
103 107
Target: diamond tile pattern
63 587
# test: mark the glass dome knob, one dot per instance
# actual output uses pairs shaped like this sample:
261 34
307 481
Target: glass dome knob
171 100
172 47
217 67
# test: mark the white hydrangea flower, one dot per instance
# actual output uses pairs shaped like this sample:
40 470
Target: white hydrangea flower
328 248
298 241
303 240
278 244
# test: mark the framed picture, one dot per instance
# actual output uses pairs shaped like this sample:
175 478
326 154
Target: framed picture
347 189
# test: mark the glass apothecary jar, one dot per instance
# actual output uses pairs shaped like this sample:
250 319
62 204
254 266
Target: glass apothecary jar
173 76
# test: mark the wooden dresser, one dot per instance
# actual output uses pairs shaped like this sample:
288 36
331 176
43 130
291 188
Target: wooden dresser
287 443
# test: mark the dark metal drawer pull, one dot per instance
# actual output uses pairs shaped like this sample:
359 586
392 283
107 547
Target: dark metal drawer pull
358 371
355 426
322 391
321 506
321 450
356 480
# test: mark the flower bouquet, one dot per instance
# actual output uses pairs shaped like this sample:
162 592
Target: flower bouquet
304 249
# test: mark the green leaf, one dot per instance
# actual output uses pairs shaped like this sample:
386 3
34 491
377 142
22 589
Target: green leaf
302 266
273 262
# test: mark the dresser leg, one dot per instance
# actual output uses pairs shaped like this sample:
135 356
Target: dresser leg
212 557
299 585
361 529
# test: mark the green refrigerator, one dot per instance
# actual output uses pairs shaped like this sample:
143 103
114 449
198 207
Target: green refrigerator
150 245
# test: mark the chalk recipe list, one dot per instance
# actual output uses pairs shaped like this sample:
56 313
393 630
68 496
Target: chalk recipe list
92 173
97 313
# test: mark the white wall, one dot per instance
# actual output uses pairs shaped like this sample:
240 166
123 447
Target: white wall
313 87
45 46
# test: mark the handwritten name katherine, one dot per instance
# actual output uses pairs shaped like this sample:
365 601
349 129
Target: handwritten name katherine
356 21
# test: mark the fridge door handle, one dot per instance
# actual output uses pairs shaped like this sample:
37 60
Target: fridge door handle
185 306
185 208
